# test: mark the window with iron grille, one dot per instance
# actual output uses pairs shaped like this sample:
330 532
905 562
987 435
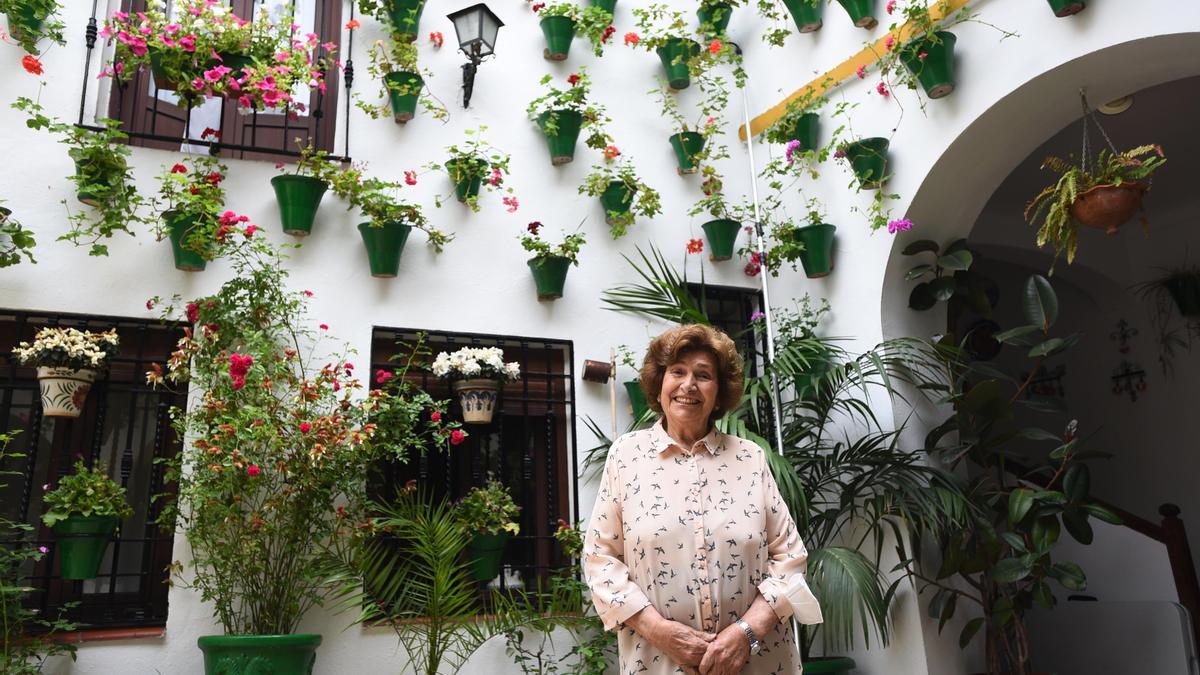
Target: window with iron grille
729 308
125 427
530 444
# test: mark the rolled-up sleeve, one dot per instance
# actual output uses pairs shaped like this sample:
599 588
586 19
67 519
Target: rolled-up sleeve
784 586
614 593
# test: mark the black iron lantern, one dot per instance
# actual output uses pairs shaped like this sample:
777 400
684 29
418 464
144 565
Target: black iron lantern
476 27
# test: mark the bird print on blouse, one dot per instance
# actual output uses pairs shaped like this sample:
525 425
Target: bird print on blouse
698 533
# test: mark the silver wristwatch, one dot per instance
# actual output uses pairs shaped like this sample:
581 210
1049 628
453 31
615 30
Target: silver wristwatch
755 645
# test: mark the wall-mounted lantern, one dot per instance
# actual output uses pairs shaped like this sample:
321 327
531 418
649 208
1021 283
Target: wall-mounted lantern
476 27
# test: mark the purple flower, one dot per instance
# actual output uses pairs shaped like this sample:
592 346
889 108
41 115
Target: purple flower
792 146
757 315
900 225
43 549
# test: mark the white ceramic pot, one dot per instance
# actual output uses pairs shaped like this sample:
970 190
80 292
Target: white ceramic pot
478 399
64 390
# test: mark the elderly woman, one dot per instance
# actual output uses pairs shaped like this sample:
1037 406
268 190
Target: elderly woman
691 551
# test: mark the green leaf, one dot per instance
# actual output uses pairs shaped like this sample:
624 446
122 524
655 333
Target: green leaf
1078 526
1048 347
1036 434
1070 575
969 631
959 260
942 288
1077 482
1040 302
1101 513
1042 595
921 298
918 271
1015 335
1014 540
1045 533
921 246
1011 570
1019 503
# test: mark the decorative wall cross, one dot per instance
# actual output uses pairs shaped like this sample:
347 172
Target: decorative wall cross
1122 335
1129 378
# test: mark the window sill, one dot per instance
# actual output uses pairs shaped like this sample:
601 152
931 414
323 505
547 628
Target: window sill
109 634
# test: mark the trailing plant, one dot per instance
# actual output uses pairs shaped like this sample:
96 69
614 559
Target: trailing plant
397 55
64 347
386 12
312 163
86 492
644 200
592 22
32 21
540 248
575 98
784 246
190 190
658 25
377 200
780 18
15 241
404 415
475 159
1173 299
488 510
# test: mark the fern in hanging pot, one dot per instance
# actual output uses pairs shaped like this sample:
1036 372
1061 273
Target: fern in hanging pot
622 193
393 63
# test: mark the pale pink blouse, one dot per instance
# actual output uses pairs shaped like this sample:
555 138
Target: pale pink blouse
696 533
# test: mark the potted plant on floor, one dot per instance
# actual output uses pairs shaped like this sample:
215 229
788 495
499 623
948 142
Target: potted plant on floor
68 361
562 114
15 241
1102 193
192 199
623 194
562 21
393 63
84 510
476 375
31 21
807 15
489 516
299 193
474 165
403 16
550 264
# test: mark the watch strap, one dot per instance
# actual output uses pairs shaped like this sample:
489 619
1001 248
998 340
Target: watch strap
755 645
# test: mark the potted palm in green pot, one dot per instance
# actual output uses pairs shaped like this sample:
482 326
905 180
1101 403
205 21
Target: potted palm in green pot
550 264
84 510
622 193
393 63
562 114
489 515
476 164
299 193
68 361
562 21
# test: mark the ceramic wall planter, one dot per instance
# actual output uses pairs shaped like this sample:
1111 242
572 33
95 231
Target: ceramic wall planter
406 17
1067 7
550 276
478 400
674 56
298 198
722 235
384 245
179 226
609 6
467 175
817 257
64 390
82 541
486 555
404 91
806 14
931 61
559 32
561 141
1108 207
807 130
714 18
255 654
687 145
868 160
862 12
616 199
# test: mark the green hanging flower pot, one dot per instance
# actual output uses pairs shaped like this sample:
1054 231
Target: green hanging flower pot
237 62
722 235
817 257
714 18
406 17
637 399
549 275
931 60
616 199
862 12
686 145
559 31
467 175
806 14
82 541
868 159
609 6
404 90
242 654
486 555
84 195
25 21
384 245
161 80
298 198
1067 7
561 140
807 130
829 665
674 56
1185 291
179 226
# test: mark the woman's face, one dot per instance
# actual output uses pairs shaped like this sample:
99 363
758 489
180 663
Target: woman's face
689 389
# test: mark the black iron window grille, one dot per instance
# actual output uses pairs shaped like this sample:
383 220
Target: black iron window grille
730 308
530 445
124 426
159 119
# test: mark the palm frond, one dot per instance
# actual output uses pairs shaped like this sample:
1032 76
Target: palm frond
664 295
852 592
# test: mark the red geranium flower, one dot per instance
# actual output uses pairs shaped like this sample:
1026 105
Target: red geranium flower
352 24
714 47
573 79
437 39
382 376
695 246
179 168
534 227
193 312
253 471
457 437
32 65
631 39
305 427
435 416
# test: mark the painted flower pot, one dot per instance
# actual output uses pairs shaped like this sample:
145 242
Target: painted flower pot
1067 7
609 6
637 399
828 665
807 130
1108 207
384 245
486 554
179 227
868 160
1185 291
549 275
82 541
862 12
64 390
674 56
687 145
616 199
246 654
817 257
406 17
298 198
561 128
467 175
404 90
931 60
806 14
714 18
721 234
478 400
559 31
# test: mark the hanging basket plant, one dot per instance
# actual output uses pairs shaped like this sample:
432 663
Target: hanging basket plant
609 6
1064 8
84 510
403 16
806 14
562 21
193 197
817 256
385 243
393 63
550 264
476 374
675 55
688 146
562 114
475 165
31 21
722 238
623 195
714 16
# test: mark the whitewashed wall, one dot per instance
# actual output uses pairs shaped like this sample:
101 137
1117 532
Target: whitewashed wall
1010 97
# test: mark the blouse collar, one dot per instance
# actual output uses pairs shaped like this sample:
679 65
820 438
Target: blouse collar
661 441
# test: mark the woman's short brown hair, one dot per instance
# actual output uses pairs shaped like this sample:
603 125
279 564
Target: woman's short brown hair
670 347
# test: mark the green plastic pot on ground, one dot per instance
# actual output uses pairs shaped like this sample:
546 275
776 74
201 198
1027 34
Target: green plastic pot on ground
298 198
931 60
828 665
247 654
862 12
722 235
637 399
549 275
817 257
486 555
616 199
868 159
404 90
609 6
807 130
561 140
559 31
714 18
806 14
384 245
466 181
674 56
82 541
1067 7
1185 291
406 17
179 226
687 145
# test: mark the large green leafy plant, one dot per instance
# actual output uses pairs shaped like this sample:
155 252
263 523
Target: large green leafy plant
86 492
31 21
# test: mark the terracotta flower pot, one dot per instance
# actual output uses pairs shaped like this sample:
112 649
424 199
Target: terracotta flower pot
298 198
82 541
1067 7
64 390
722 235
931 61
559 32
550 276
233 654
404 91
806 14
478 400
1108 207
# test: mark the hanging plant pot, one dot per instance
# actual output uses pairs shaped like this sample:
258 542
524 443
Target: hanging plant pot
236 62
806 14
609 6
721 235
81 171
161 80
1067 7
478 400
828 665
931 61
1185 291
64 390
687 145
862 12
244 654
562 140
404 90
25 21
298 198
82 541
406 17
559 31
486 553
637 399
714 18
1108 207
384 245
616 199
868 159
817 257
467 175
549 275
807 130
179 226
674 56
